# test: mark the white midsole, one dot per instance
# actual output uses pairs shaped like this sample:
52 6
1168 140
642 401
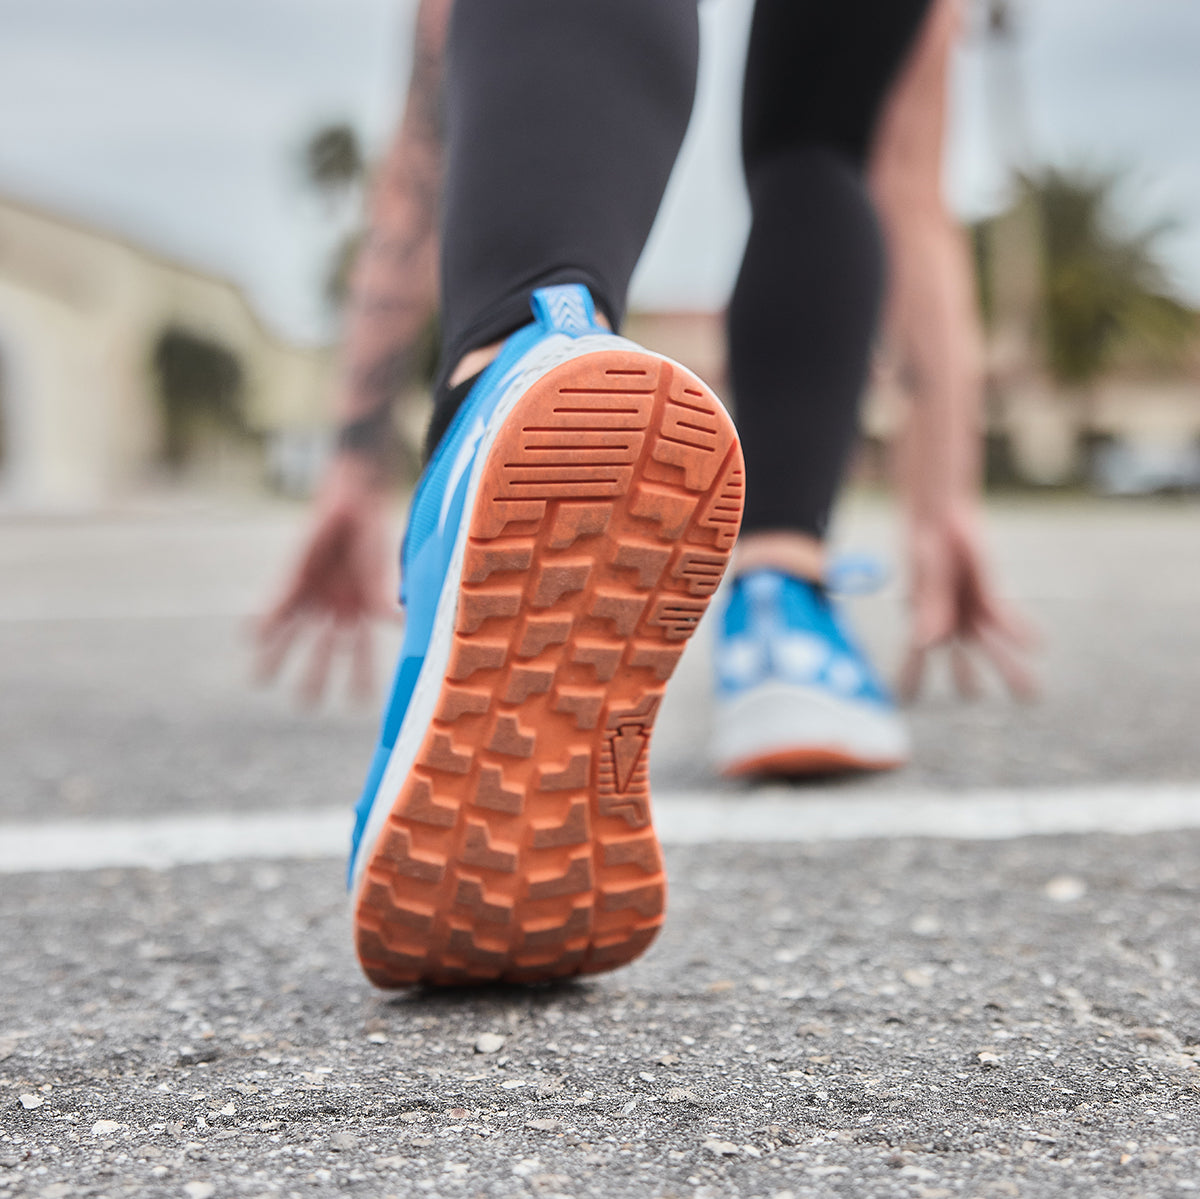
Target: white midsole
543 358
778 717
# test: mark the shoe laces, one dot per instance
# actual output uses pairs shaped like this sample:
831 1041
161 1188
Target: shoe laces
856 573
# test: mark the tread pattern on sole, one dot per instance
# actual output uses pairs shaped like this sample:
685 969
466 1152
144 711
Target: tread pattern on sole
520 846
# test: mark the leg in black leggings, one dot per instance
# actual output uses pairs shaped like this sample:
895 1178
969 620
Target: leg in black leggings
563 120
806 304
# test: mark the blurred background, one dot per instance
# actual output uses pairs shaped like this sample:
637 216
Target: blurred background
182 183
181 187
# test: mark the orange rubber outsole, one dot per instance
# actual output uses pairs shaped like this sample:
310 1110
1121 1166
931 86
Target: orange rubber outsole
521 846
813 760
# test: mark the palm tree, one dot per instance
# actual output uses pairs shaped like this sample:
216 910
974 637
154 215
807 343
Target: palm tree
333 160
1105 289
201 390
335 167
1103 293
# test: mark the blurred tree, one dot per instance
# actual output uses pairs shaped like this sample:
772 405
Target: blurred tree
333 160
335 166
200 389
1104 294
341 268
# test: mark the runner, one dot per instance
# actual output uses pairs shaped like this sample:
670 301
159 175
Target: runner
583 495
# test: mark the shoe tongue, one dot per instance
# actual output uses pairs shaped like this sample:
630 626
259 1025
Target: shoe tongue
566 308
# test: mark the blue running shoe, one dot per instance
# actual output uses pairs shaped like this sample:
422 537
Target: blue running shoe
562 545
795 694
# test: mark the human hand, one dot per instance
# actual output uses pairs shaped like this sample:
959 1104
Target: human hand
955 607
338 586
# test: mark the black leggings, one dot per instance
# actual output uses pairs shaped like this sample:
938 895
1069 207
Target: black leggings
563 121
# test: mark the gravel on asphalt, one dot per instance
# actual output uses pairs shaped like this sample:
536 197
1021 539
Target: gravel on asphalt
921 1018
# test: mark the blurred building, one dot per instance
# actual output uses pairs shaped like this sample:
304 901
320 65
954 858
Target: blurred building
1133 431
88 322
85 321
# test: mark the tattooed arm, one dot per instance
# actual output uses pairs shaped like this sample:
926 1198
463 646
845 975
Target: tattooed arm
341 579
393 287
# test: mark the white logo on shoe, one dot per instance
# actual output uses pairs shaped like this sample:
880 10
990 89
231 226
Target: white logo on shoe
741 661
800 656
461 462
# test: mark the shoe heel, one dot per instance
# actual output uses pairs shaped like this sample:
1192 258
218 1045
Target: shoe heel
521 845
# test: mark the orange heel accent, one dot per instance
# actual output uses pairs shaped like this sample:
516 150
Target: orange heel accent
812 760
521 845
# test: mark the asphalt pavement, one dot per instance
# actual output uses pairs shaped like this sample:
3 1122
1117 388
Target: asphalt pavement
1004 1011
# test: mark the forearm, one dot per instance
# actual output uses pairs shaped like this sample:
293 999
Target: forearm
932 319
393 287
936 339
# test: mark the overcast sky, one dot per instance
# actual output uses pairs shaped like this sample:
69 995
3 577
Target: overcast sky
179 123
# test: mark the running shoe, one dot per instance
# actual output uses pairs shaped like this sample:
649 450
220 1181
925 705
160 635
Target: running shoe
795 693
562 545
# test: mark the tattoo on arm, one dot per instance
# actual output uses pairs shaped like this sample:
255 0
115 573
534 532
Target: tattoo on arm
392 292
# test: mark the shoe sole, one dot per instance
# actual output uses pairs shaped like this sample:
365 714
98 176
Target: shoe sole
520 846
814 760
795 729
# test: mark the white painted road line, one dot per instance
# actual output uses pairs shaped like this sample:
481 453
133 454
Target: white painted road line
856 814
162 842
775 815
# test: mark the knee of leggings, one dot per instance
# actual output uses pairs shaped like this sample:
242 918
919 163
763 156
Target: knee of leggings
808 179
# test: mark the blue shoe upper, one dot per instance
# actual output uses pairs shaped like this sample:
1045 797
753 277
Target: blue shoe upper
437 510
779 628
